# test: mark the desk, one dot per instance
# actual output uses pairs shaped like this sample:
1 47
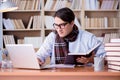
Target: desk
79 73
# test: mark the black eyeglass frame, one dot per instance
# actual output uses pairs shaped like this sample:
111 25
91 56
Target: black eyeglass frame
61 26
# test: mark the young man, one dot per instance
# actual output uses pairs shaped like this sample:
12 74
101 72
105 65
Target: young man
68 39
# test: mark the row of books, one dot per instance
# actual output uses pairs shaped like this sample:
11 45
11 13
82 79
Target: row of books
28 4
113 54
35 41
77 4
104 22
109 4
35 22
57 4
92 4
8 39
12 24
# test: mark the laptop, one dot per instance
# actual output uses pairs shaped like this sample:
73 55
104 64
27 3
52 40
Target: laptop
23 56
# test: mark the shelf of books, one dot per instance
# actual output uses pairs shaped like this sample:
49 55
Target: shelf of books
34 18
102 16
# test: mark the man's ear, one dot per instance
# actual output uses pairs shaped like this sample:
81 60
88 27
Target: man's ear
72 23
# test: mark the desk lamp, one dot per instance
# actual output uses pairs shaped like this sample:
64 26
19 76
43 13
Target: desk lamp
5 6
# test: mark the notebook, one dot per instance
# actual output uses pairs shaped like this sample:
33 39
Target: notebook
23 56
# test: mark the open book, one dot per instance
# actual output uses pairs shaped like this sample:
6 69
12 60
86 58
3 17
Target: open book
71 57
88 52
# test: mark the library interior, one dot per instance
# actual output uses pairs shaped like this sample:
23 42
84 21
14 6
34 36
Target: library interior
26 24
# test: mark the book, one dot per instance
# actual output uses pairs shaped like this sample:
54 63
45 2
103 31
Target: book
87 4
71 57
116 40
112 53
93 4
87 52
8 24
114 63
30 22
112 58
116 3
112 48
112 70
112 44
114 67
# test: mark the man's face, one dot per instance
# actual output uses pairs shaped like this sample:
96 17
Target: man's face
63 28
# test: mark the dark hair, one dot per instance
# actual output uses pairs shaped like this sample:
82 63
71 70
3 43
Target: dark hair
65 14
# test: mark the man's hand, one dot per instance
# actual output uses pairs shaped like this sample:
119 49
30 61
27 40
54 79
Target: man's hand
85 60
40 62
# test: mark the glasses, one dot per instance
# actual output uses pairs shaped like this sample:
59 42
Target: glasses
61 26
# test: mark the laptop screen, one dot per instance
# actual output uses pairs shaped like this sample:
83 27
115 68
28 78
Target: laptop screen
23 56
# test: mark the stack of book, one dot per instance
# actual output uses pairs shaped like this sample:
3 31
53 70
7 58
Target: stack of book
113 54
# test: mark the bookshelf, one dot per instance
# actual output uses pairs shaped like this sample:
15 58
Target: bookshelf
26 21
103 20
45 8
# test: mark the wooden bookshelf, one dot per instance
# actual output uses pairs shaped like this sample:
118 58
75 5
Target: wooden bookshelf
29 9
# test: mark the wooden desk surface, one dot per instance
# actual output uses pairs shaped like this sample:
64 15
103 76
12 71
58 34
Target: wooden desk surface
79 73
